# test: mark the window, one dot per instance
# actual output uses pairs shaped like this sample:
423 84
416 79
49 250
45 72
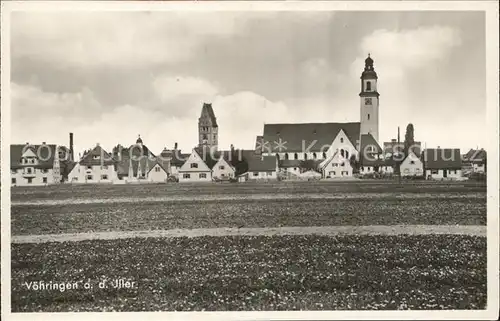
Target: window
44 180
157 169
434 171
362 168
221 175
30 180
32 161
203 175
143 175
186 176
341 139
29 170
368 86
368 116
286 156
347 154
194 165
278 156
89 177
305 156
13 181
343 164
314 155
324 155
412 162
96 157
45 170
255 173
204 137
296 156
295 168
342 152
221 167
89 167
215 137
104 176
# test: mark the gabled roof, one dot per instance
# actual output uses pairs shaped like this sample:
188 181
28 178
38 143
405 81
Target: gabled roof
294 136
475 155
207 110
175 156
45 154
445 158
264 164
104 157
368 140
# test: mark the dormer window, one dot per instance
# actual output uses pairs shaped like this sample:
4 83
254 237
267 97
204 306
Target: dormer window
96 157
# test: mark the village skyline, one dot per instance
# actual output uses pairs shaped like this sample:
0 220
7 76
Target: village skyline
110 96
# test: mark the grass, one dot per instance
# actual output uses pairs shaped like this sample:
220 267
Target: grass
36 219
257 273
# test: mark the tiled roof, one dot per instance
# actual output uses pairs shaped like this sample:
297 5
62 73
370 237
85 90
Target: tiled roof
264 164
442 158
372 160
475 155
289 163
104 157
368 140
45 153
294 136
207 109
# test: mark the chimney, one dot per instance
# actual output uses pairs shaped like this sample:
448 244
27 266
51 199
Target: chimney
43 143
71 147
175 146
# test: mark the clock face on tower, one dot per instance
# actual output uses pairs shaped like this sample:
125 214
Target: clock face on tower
368 101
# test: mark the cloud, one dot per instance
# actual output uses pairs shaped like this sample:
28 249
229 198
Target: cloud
92 39
398 52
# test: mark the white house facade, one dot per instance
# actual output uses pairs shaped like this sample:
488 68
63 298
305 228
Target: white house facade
195 169
412 165
95 167
35 165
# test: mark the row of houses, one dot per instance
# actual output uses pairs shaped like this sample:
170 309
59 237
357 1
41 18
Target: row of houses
46 164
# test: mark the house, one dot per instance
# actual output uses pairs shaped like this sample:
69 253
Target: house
137 164
393 147
175 159
262 168
95 166
223 169
195 169
442 163
39 165
412 165
336 166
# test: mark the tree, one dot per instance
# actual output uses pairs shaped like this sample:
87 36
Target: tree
409 139
238 161
354 163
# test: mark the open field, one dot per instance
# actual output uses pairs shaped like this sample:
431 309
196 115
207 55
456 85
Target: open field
214 269
256 273
78 209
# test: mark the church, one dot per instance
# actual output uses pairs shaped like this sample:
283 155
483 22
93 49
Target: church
331 150
335 148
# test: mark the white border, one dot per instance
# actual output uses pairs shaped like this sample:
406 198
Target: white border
492 65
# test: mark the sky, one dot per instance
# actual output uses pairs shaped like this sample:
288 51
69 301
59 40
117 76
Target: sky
111 76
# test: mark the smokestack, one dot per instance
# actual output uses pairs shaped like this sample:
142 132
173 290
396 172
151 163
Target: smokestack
71 147
175 146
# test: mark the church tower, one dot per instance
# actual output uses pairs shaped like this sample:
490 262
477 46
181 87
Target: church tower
369 100
208 131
